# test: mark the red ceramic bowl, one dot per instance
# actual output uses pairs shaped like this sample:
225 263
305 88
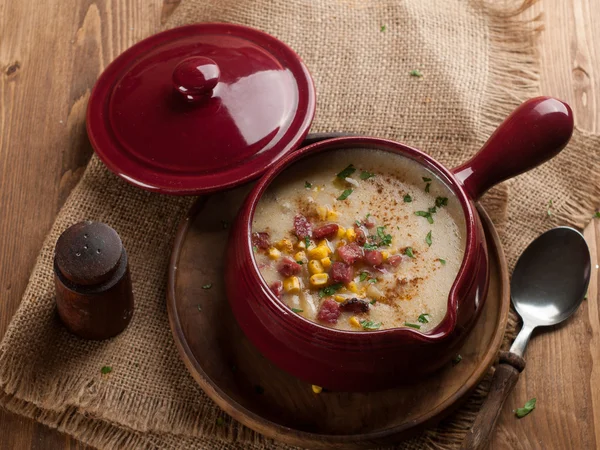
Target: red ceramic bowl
360 361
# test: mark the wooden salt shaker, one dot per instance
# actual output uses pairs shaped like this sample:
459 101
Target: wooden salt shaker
93 286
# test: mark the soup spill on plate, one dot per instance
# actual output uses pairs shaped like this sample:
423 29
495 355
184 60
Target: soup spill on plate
360 240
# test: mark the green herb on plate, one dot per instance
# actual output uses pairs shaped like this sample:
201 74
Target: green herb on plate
207 286
441 201
105 370
307 185
442 261
416 73
412 325
423 318
529 406
428 238
407 198
425 214
345 194
383 28
427 186
370 325
408 251
330 290
346 172
364 175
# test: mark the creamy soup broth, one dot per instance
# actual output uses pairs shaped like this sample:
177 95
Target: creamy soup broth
360 240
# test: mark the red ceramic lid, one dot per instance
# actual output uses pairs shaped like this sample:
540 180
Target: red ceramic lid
200 108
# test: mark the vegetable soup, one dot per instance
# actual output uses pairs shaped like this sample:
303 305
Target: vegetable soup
360 240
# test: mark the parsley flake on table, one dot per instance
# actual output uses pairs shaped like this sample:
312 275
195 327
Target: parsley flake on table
346 172
383 28
384 239
597 215
456 360
412 325
330 290
307 185
428 238
370 325
416 73
364 175
345 194
423 318
549 210
407 198
207 286
105 370
529 406
408 251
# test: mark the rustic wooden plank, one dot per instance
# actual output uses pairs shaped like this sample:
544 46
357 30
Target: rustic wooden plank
51 53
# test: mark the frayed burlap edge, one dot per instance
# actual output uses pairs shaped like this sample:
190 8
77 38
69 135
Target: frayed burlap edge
513 76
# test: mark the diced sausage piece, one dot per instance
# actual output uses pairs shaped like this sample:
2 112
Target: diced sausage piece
341 272
355 305
326 231
287 267
369 222
261 240
329 312
361 236
395 260
350 253
277 288
302 226
373 257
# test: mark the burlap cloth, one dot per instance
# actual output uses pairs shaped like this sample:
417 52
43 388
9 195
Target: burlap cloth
478 62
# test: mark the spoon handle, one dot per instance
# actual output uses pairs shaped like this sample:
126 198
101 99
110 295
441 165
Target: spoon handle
505 378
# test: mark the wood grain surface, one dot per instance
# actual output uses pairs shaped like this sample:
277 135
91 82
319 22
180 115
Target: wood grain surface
52 51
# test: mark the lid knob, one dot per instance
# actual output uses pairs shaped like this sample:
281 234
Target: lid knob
195 78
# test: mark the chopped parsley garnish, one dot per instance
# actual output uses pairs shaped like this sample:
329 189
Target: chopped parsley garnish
370 325
345 194
442 261
597 215
441 201
549 210
372 302
368 246
373 280
207 286
254 248
346 172
412 325
307 241
407 198
427 186
330 290
529 406
385 239
307 185
456 360
220 421
358 224
199 308
300 262
426 180
408 251
426 214
383 28
296 310
364 276
259 389
105 370
364 175
416 73
423 318
428 238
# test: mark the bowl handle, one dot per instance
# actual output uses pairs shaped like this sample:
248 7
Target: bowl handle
534 133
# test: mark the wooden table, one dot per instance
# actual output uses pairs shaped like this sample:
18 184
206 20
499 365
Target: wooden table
52 51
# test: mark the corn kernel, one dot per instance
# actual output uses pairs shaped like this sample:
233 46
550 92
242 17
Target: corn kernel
354 322
323 242
341 243
291 285
316 389
285 245
274 253
350 234
339 298
385 255
300 256
341 232
315 266
352 287
319 252
301 244
319 279
326 263
322 212
332 215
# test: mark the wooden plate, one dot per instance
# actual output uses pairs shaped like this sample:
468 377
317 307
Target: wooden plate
261 396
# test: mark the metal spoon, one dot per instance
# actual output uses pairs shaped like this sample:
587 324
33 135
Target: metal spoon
548 284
